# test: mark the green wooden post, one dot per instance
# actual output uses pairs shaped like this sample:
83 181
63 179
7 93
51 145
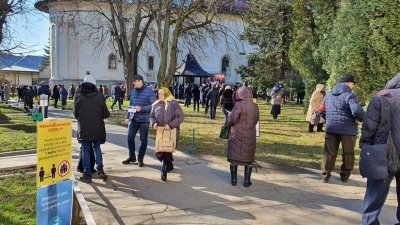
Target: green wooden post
192 149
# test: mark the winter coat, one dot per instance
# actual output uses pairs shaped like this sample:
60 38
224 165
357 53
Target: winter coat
315 102
196 93
44 90
63 94
212 97
105 90
373 128
341 109
143 98
33 92
56 93
90 110
188 92
71 91
117 91
6 91
243 120
27 96
274 94
174 116
226 100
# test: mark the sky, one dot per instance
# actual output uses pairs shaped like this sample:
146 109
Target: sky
31 30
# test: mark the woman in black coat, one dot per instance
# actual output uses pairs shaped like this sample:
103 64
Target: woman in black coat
55 96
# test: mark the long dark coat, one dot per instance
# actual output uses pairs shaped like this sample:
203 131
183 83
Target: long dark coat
243 120
90 110
213 97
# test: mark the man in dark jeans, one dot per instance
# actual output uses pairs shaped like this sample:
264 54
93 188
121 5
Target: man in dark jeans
343 114
142 98
117 96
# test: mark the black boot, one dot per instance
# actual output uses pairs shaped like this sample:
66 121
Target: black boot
319 127
170 167
101 174
86 178
310 127
247 175
234 174
164 172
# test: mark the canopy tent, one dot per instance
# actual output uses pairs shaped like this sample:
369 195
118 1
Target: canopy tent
189 67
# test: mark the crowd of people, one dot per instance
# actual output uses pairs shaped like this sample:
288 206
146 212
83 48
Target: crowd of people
339 110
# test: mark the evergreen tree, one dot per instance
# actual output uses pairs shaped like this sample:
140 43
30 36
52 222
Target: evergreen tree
364 41
304 50
269 27
46 58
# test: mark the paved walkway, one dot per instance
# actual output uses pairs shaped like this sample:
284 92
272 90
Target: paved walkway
198 191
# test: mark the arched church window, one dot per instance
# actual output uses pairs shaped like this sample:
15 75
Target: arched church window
151 63
225 64
112 61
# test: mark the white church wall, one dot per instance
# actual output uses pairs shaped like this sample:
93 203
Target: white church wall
73 57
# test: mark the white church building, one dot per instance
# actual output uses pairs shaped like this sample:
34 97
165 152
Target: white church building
73 55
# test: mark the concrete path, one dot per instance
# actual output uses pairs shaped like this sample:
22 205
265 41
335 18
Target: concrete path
198 190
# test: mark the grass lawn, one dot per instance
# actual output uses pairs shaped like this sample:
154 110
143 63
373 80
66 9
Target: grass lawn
18 199
19 132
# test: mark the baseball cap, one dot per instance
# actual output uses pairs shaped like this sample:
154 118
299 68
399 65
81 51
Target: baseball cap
346 78
136 77
90 79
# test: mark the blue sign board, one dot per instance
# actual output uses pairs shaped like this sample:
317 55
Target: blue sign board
54 204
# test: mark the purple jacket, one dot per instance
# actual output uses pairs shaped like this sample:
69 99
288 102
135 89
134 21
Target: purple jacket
173 117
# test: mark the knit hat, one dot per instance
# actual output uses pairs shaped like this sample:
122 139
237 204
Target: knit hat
90 79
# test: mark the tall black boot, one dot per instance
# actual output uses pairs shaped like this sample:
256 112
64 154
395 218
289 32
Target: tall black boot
170 166
310 127
319 127
164 172
233 174
247 175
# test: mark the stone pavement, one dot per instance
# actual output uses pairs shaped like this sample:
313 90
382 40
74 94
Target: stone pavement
198 191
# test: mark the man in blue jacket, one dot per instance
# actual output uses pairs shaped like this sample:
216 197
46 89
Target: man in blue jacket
44 90
374 131
117 96
142 97
342 114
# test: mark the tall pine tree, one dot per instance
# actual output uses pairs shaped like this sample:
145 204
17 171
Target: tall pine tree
269 27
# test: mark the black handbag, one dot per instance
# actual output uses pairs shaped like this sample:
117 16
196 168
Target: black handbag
377 161
225 129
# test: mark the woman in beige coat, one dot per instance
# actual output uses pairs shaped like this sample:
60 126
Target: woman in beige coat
315 101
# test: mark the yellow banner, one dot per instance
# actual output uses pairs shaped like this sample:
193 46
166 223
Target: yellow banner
54 152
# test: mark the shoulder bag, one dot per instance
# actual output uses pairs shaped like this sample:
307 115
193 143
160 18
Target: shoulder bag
377 161
225 130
